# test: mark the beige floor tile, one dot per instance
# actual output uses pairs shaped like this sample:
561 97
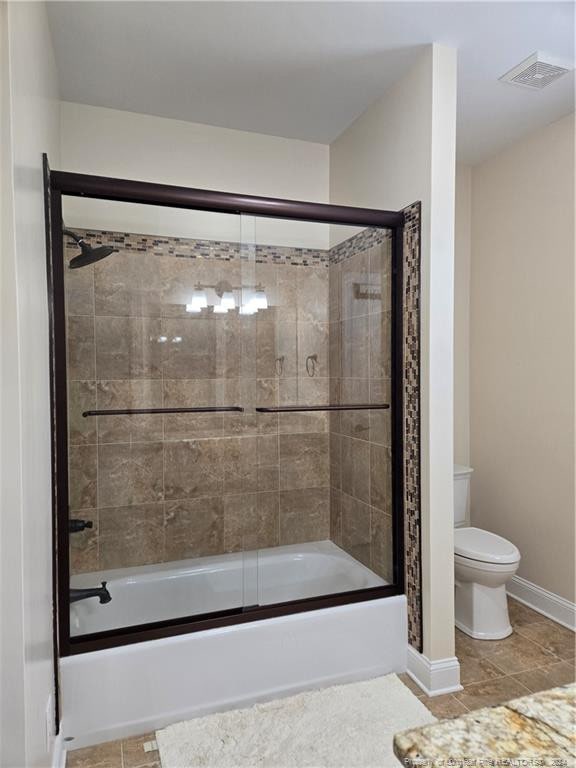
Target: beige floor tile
491 693
514 654
107 755
445 707
134 756
551 676
551 636
520 614
409 683
476 670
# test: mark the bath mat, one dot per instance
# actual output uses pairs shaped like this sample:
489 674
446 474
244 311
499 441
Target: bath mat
349 726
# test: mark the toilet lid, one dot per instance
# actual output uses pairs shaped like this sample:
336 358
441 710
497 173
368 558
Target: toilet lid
476 544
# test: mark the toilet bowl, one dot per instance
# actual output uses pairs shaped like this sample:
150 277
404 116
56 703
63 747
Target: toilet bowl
483 562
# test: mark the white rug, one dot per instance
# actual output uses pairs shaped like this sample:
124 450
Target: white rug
347 726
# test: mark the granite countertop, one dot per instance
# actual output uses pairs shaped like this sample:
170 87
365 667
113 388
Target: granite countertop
536 730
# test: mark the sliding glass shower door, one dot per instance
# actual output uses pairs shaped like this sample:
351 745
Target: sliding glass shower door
229 413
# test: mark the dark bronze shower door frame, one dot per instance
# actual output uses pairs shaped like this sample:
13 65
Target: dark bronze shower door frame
59 183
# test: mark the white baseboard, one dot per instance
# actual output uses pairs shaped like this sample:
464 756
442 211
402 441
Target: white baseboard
59 752
434 677
547 603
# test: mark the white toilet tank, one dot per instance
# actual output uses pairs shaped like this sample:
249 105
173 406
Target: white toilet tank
461 493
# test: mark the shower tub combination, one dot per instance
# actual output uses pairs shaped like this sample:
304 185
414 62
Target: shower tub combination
227 410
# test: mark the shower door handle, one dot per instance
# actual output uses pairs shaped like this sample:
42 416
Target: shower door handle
136 411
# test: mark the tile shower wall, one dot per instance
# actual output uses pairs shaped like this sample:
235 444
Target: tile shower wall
173 486
164 487
360 370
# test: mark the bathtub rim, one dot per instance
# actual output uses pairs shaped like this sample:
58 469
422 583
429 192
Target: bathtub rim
184 625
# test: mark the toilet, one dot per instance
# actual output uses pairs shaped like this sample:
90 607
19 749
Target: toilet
483 563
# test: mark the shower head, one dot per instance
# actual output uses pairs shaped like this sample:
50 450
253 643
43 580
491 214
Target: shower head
87 255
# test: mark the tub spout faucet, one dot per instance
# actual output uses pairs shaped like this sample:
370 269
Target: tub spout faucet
100 592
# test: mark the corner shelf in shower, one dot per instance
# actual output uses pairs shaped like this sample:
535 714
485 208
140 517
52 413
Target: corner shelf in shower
298 408
136 411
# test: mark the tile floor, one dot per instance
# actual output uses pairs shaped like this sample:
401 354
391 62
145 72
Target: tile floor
539 655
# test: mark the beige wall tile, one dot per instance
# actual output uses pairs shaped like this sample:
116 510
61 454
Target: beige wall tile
287 293
128 284
179 277
354 273
130 393
130 474
84 544
380 345
227 351
355 468
251 521
313 340
355 423
268 450
312 294
355 347
335 449
239 462
380 260
380 477
336 516
131 535
304 515
380 420
81 397
193 468
334 292
82 480
79 285
128 348
194 356
381 544
194 528
356 528
81 355
304 461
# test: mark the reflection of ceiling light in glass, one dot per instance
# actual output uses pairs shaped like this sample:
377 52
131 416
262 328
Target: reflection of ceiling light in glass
249 308
260 300
199 301
162 339
227 300
177 339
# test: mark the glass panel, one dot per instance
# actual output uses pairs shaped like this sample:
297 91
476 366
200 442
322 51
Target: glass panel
324 339
155 327
255 500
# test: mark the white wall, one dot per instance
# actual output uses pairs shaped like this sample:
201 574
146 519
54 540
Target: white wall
462 255
30 120
402 149
522 352
109 142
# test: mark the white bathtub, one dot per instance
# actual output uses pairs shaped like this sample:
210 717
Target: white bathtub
123 691
204 585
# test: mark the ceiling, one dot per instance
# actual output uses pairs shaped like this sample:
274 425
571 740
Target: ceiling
306 70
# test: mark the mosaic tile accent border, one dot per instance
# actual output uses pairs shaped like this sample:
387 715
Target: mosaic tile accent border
189 248
224 250
411 323
365 239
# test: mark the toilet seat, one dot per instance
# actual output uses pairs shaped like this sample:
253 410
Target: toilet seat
484 547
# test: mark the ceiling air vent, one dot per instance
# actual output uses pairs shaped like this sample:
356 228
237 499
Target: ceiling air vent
537 71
